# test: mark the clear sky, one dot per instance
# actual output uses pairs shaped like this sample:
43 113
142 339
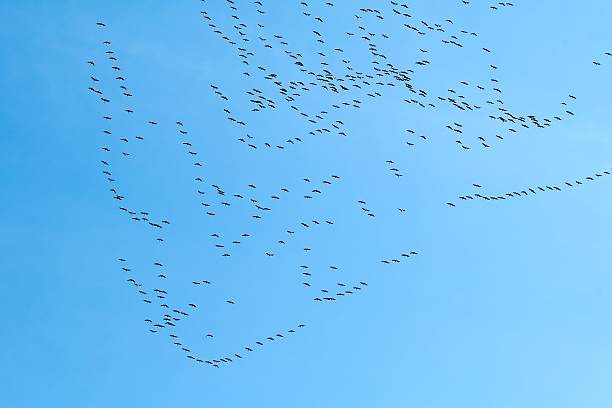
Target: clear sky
506 304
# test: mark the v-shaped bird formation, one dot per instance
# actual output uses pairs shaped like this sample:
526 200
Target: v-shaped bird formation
297 95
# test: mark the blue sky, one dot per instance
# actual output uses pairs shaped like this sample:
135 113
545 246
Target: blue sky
506 303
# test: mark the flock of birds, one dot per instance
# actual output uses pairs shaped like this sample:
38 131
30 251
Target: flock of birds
531 190
337 72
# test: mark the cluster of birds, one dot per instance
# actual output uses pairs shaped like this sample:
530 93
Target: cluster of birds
281 79
370 82
529 191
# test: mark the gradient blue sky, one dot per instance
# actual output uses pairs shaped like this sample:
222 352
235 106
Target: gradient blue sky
506 306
